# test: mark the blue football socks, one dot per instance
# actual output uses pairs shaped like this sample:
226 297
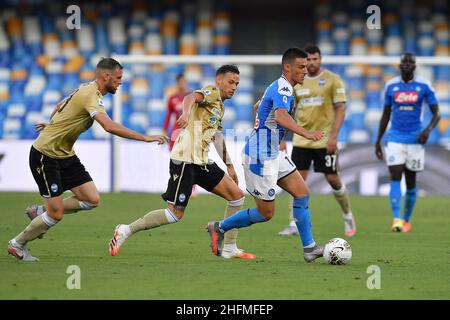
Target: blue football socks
240 219
302 217
410 201
395 197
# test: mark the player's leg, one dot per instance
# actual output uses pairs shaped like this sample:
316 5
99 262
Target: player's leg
302 158
296 186
244 218
395 195
410 199
396 160
76 179
415 162
341 195
260 181
177 196
47 176
231 192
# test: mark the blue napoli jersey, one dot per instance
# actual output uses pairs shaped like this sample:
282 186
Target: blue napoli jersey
266 136
406 100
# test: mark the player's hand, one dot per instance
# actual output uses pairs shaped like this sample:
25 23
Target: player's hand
283 146
331 145
161 139
378 151
315 135
40 126
183 120
423 137
232 173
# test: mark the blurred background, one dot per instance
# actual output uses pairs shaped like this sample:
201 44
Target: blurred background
42 61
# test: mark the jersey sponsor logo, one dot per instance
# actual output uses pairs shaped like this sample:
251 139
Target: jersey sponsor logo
303 92
312 102
406 97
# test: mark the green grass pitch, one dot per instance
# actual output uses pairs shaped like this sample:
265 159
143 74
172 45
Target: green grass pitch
175 262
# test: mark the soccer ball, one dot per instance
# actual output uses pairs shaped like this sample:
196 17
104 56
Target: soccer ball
337 251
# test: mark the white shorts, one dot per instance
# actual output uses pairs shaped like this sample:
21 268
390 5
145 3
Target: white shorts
411 155
263 187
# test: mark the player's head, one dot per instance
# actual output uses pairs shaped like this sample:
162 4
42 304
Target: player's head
227 80
407 64
109 74
314 59
293 64
182 84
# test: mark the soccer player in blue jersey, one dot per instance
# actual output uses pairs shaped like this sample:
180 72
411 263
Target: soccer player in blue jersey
405 152
265 166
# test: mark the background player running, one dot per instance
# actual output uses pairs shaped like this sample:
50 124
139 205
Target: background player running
201 119
54 164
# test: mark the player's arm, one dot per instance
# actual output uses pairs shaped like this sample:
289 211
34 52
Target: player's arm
121 131
339 109
168 116
284 119
221 148
255 108
188 102
382 128
423 137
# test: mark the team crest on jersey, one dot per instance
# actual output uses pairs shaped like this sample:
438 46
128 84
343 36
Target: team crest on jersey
100 102
322 82
271 192
395 89
406 97
182 197
213 120
418 89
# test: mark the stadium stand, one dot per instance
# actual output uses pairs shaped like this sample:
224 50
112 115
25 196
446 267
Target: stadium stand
41 61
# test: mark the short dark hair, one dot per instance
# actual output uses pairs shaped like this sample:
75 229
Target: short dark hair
408 54
291 54
312 48
109 64
227 68
179 76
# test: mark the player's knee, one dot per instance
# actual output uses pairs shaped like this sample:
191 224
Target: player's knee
177 211
55 212
94 200
334 181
